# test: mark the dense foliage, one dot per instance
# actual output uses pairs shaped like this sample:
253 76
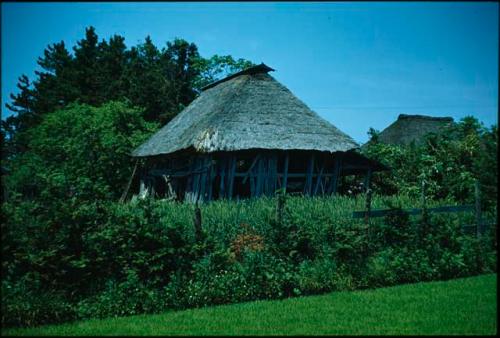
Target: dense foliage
80 153
448 162
101 259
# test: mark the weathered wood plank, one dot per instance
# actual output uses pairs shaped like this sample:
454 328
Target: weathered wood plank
310 168
249 171
127 188
285 171
337 166
204 179
260 177
196 182
230 176
252 185
212 174
222 172
368 178
319 178
272 174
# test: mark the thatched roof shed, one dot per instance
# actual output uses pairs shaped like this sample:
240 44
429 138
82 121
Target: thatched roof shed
248 134
412 128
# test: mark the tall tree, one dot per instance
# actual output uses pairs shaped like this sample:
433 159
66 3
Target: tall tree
86 66
161 82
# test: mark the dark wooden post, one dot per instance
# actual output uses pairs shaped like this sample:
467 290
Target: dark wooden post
368 205
368 178
259 182
424 227
422 194
423 201
477 195
127 188
309 174
273 173
332 189
285 172
197 223
319 178
197 164
230 176
213 175
280 206
222 167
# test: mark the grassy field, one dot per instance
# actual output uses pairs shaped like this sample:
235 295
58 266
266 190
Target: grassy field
461 306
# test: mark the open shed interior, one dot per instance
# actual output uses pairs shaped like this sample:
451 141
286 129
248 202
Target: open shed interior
193 177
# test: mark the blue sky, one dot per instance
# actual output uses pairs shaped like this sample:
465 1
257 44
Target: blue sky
358 65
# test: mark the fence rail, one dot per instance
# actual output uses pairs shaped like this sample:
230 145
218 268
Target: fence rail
415 211
476 208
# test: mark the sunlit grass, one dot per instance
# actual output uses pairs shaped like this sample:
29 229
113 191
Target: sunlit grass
461 306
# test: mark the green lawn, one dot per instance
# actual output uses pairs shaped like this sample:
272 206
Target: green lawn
461 306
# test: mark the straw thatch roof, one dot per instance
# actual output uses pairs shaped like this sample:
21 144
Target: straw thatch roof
408 128
247 110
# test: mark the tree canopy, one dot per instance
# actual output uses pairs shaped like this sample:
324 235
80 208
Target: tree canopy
161 81
448 162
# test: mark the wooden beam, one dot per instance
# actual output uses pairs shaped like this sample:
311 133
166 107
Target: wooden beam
259 174
272 173
230 176
318 180
289 175
222 188
252 185
415 211
368 177
211 177
337 163
204 178
310 168
355 166
125 192
246 175
285 172
196 181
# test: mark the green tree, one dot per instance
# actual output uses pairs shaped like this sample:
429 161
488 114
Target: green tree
79 152
449 162
218 67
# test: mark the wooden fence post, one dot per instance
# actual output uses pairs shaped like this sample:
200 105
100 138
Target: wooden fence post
368 205
423 201
197 223
477 195
423 229
422 195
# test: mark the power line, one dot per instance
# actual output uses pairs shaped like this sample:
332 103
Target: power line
408 107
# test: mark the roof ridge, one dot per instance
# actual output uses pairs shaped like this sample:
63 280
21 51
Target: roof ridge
424 117
262 68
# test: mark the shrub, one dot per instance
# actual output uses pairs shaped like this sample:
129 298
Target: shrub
105 259
123 298
24 305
